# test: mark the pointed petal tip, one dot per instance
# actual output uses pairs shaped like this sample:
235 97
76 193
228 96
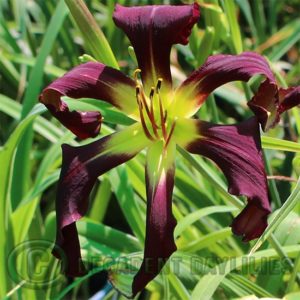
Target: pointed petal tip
69 269
265 103
89 80
160 220
289 98
81 166
251 222
67 250
236 149
152 266
152 30
222 68
83 124
187 29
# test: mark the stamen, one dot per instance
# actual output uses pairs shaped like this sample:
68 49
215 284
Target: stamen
161 109
162 121
135 75
158 85
152 119
151 100
140 92
170 134
166 115
145 104
149 114
137 91
152 92
140 104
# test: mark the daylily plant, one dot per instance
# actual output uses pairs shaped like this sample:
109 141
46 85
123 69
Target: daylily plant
164 119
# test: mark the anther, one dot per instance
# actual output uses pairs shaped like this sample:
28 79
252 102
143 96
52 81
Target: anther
151 101
152 92
135 74
158 85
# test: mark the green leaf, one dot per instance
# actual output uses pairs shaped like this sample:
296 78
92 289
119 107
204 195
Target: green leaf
108 112
207 240
42 126
36 76
6 159
208 284
217 184
21 172
91 33
206 45
108 236
286 208
231 14
278 144
128 202
197 215
286 44
101 200
246 9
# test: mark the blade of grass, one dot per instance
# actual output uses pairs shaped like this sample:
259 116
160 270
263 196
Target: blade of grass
282 213
260 19
294 274
108 236
206 46
272 184
21 173
246 9
215 183
286 44
91 33
6 160
197 215
36 76
208 284
278 144
127 200
42 126
236 38
101 200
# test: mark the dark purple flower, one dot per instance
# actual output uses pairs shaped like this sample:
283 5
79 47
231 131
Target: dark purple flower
163 121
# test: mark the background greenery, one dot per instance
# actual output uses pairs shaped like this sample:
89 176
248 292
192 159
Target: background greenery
40 41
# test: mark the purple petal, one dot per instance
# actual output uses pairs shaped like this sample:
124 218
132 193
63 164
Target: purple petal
152 30
251 222
89 80
236 149
159 244
289 98
80 168
82 124
221 69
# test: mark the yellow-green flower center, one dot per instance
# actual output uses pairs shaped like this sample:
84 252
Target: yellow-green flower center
156 123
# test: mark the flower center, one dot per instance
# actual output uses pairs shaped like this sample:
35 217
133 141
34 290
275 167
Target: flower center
153 115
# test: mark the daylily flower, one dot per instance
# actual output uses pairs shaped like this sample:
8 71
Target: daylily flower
163 120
